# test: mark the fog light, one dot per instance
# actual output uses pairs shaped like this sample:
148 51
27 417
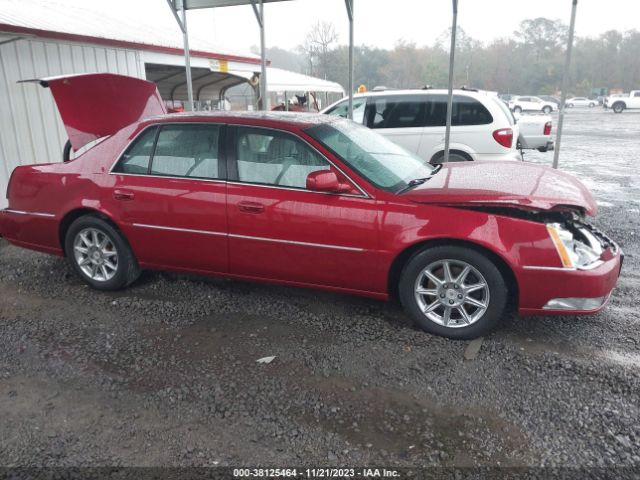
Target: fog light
574 303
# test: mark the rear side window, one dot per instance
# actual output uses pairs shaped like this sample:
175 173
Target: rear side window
396 111
136 158
466 111
469 111
187 151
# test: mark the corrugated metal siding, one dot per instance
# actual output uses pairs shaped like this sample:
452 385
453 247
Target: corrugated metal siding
30 127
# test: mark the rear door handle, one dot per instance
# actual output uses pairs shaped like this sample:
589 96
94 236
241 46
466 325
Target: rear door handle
123 195
251 207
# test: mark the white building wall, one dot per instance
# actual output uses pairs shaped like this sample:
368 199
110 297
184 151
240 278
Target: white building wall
30 127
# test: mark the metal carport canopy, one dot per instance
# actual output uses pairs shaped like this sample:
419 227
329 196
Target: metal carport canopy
258 9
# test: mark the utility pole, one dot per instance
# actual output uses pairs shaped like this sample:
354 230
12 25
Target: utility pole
565 81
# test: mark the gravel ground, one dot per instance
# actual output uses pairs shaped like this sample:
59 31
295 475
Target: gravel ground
165 372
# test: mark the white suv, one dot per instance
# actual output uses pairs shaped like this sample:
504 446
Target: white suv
531 104
482 126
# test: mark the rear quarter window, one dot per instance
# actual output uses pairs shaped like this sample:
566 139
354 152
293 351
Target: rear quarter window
136 157
469 111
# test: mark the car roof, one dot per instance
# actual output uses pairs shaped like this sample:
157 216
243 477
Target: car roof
424 91
300 119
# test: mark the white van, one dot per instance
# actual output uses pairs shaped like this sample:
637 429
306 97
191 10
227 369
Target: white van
482 127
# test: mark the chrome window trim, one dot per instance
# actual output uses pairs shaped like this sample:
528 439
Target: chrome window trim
23 212
364 193
295 189
213 180
249 237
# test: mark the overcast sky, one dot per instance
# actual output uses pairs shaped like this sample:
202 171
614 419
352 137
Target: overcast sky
382 23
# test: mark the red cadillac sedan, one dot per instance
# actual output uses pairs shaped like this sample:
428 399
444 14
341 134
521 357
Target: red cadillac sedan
306 200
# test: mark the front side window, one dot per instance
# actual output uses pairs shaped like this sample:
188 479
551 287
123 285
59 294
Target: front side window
342 109
275 158
187 151
135 159
396 111
382 162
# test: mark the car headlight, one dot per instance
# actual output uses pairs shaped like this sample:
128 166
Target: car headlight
579 249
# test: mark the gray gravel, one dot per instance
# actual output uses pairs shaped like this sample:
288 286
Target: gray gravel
165 373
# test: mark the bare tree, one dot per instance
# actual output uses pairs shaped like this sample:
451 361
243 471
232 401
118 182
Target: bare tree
317 44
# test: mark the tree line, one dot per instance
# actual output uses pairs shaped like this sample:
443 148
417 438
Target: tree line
530 62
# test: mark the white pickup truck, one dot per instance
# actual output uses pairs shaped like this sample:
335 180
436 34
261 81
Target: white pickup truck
535 132
621 103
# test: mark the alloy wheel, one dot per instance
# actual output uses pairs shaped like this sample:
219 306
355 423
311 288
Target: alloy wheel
452 293
96 254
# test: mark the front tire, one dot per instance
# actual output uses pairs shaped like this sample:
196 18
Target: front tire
454 292
517 109
99 254
546 110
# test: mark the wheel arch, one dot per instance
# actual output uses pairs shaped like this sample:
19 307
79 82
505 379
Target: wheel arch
72 215
399 262
458 151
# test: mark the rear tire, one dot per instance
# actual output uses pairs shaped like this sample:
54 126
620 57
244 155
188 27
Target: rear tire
99 254
517 109
618 107
428 310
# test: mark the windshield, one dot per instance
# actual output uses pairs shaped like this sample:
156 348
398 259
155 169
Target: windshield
382 162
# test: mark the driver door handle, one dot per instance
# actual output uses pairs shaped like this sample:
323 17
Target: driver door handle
250 207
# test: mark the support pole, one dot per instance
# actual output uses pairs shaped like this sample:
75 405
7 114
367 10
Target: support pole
349 4
187 59
185 39
565 81
452 52
263 100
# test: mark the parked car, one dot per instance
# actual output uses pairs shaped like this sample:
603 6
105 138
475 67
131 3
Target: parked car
535 132
531 104
581 102
481 126
623 102
306 200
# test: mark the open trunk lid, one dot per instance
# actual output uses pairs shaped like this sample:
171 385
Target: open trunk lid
96 105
